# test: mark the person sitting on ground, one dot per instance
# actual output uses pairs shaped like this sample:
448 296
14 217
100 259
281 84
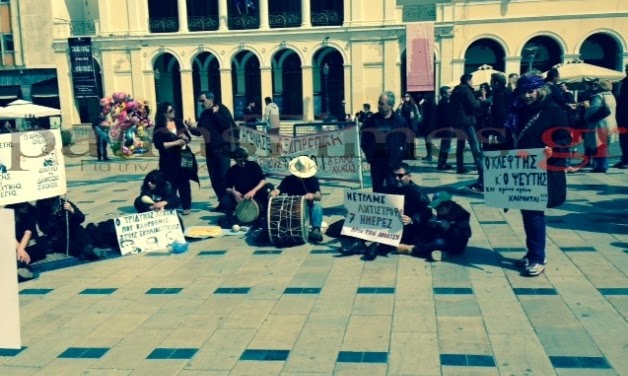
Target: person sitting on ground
302 182
60 221
156 194
28 250
416 214
449 232
244 181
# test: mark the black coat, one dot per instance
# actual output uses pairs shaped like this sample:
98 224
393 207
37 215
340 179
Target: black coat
464 105
622 105
502 99
459 230
415 204
218 130
535 134
170 158
385 140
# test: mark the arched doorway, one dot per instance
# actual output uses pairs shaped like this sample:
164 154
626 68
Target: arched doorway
247 82
329 82
168 81
206 76
484 51
602 50
288 84
540 53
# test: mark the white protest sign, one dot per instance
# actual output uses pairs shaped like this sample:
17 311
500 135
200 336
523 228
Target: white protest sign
10 337
336 153
147 232
515 179
373 216
31 166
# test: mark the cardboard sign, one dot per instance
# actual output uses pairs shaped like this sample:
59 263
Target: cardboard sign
515 179
373 216
336 153
10 337
31 166
148 232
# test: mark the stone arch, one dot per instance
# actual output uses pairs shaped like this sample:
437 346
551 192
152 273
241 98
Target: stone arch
485 51
332 45
212 52
557 38
602 48
234 52
491 37
160 51
288 46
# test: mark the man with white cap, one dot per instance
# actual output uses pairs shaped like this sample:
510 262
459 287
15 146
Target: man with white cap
302 182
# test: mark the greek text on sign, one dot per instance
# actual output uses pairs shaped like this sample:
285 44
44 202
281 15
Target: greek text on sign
31 166
148 232
515 179
373 216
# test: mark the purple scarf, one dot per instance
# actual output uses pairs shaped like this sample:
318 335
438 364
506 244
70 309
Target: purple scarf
524 84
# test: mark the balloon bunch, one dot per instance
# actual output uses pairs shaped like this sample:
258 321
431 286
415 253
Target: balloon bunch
128 122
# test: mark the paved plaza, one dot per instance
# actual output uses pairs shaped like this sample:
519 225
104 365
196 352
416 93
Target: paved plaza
227 307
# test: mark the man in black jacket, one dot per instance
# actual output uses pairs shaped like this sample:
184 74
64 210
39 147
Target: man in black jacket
443 127
218 129
384 139
464 106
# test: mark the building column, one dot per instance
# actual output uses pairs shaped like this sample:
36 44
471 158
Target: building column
457 69
512 65
69 111
107 63
182 7
306 14
348 89
346 10
226 88
150 94
136 73
308 92
263 14
104 15
267 82
392 77
187 94
223 15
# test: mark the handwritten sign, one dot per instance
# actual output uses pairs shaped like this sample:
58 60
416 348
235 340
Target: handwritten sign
31 166
148 232
373 216
336 153
515 179
10 336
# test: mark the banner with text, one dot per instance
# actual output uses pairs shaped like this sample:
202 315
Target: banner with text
31 166
373 216
420 56
515 179
336 153
10 335
148 232
83 72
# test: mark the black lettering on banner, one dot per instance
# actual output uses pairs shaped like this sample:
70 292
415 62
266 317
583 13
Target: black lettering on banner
505 179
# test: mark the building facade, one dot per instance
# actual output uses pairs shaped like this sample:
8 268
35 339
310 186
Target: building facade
310 55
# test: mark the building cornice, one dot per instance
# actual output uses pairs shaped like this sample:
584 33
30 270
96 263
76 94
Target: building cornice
539 18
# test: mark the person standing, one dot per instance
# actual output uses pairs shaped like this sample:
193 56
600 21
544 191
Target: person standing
600 116
411 113
501 101
443 122
218 129
250 115
271 116
384 139
532 115
622 122
102 137
171 138
463 108
364 114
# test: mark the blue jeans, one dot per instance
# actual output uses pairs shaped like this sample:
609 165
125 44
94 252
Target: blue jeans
534 226
102 139
316 213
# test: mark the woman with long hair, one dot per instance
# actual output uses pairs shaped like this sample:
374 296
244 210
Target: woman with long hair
156 194
171 138
535 121
409 110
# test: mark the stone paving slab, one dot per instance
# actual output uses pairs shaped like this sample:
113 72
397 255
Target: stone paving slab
305 311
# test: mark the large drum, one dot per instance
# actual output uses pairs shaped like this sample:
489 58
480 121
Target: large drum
288 220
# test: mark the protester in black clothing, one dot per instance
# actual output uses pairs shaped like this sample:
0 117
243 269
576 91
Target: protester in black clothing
409 110
219 132
364 114
621 116
60 221
244 181
102 137
156 194
553 76
384 139
501 100
449 232
28 249
483 114
171 138
443 127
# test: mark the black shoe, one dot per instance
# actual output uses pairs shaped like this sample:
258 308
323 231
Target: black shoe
444 167
477 188
462 172
620 165
427 158
371 252
105 159
219 209
315 236
357 247
26 274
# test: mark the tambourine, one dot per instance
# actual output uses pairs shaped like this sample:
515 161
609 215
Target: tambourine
247 211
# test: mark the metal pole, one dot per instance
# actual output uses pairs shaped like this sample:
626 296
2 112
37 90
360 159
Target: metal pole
358 151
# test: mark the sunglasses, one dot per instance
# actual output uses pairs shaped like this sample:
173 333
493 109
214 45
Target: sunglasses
202 100
240 160
170 110
399 176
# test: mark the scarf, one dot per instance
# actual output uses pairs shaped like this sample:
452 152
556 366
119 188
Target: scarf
524 84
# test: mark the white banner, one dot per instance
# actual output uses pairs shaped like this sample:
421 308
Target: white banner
515 179
10 337
147 232
31 166
336 153
373 216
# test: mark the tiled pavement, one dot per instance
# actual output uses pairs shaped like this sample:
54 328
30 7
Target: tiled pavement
224 307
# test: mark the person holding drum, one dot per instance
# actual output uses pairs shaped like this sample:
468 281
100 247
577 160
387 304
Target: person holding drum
302 182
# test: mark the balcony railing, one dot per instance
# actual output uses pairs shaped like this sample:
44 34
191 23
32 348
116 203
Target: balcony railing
82 28
284 19
203 23
243 22
327 18
163 25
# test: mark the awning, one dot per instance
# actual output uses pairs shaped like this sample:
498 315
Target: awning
10 92
42 91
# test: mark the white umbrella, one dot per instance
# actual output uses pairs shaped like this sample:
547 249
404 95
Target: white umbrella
480 76
21 109
579 71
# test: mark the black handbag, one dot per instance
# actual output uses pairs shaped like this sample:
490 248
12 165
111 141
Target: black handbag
188 160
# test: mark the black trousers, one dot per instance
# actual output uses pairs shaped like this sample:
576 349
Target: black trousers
623 143
380 172
80 242
181 184
218 165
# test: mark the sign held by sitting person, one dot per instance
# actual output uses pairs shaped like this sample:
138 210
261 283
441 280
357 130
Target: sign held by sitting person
31 166
10 336
373 216
515 179
148 232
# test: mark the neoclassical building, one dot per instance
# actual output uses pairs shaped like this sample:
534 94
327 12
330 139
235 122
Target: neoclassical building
309 55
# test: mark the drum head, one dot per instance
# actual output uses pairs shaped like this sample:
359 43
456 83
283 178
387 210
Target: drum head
247 211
